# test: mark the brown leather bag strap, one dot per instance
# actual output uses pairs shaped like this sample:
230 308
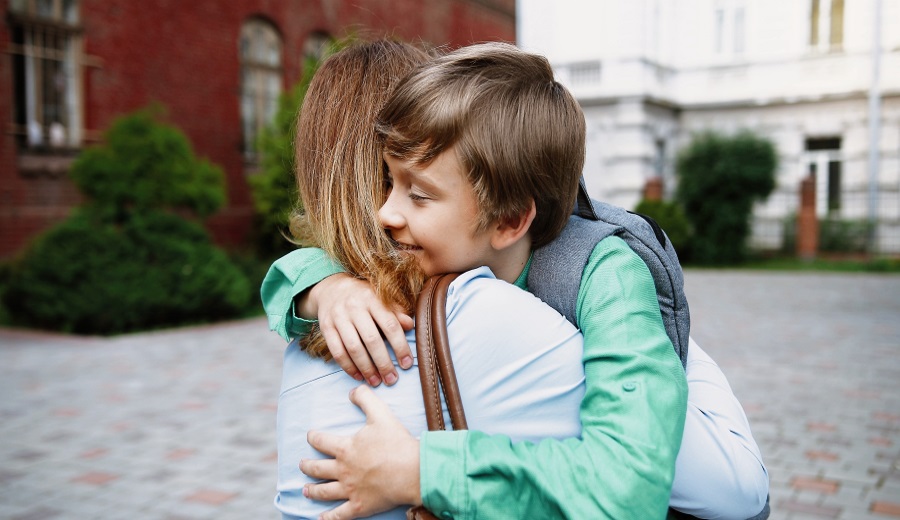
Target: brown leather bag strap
433 350
435 365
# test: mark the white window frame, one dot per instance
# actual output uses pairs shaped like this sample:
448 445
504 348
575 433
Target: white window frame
729 28
260 52
51 39
820 34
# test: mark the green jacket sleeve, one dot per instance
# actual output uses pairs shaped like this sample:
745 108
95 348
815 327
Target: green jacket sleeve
289 276
632 418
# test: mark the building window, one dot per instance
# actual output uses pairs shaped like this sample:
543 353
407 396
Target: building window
826 27
728 28
823 160
260 53
316 45
585 73
46 49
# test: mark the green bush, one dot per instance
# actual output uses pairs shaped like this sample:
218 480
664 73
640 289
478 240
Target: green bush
89 276
835 235
130 258
720 179
671 219
843 236
143 165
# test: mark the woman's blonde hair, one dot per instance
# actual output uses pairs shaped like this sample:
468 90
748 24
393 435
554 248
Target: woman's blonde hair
340 172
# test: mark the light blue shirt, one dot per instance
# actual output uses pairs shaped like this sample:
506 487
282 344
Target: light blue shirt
717 443
517 360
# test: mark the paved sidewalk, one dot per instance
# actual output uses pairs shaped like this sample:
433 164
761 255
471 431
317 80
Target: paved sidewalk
180 424
169 425
815 360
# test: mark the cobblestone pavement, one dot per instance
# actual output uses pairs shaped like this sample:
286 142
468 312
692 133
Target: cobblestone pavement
180 424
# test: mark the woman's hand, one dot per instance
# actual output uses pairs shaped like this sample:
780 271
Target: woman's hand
375 470
352 319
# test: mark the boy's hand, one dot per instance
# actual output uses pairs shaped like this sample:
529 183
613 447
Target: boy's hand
375 470
352 319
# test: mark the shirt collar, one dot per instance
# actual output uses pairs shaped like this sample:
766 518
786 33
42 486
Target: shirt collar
522 281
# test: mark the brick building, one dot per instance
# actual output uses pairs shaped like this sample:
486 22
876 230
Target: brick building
69 67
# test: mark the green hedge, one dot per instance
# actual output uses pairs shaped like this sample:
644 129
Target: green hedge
133 257
672 220
92 277
720 178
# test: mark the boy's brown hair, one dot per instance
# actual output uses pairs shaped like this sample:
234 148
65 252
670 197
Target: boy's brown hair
518 134
340 174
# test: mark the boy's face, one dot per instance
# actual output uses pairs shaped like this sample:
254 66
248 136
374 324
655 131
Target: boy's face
431 212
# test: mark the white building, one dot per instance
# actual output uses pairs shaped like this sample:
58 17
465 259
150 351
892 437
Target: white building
650 73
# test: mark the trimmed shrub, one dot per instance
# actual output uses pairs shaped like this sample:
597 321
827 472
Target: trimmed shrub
143 165
88 276
844 235
129 259
671 219
720 179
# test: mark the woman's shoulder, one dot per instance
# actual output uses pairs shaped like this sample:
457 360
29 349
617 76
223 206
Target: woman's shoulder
478 296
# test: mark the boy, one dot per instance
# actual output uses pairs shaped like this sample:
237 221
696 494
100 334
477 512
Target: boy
521 148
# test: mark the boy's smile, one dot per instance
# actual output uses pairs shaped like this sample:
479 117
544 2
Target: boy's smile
431 212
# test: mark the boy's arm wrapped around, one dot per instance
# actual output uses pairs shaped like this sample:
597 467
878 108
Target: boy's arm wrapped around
632 416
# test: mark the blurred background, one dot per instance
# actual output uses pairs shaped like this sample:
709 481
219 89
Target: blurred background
146 182
820 79
705 114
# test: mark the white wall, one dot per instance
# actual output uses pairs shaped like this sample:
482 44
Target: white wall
647 71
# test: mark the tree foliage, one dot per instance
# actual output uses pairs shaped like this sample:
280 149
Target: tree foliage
130 258
720 178
671 219
145 164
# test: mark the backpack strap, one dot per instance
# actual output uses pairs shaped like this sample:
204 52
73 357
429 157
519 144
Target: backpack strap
557 268
661 259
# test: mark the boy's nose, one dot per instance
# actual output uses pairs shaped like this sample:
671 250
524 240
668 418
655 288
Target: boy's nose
388 215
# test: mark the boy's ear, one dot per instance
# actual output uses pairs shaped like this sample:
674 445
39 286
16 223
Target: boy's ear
511 230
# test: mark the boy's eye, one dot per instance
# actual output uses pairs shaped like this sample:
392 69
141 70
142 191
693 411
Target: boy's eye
415 197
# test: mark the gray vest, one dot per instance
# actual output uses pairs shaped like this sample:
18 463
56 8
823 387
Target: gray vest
556 268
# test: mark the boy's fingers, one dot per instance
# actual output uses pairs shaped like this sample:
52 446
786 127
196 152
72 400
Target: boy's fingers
341 512
375 348
329 444
393 326
324 469
405 320
339 352
325 491
394 334
374 408
359 356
